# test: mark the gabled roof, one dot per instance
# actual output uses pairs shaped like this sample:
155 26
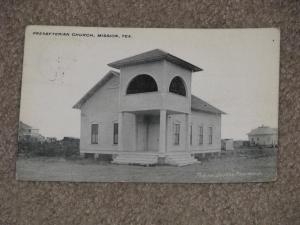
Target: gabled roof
152 56
263 130
95 88
197 104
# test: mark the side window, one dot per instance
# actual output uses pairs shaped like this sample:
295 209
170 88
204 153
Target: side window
176 134
201 135
210 137
94 133
116 131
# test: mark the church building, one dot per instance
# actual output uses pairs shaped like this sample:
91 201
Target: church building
144 113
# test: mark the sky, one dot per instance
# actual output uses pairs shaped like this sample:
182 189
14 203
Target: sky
240 72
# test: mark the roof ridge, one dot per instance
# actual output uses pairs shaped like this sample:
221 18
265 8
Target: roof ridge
95 88
204 105
152 56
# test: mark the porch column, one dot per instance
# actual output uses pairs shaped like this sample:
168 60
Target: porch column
162 131
120 131
188 131
134 130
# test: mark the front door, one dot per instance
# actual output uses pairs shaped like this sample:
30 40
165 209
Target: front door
148 133
153 137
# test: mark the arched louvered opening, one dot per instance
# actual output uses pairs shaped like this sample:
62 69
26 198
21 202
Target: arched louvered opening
141 84
177 86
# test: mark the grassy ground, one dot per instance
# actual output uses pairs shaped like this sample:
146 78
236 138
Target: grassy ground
244 165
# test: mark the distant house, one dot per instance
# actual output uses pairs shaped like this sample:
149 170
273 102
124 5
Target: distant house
146 113
227 144
28 133
263 136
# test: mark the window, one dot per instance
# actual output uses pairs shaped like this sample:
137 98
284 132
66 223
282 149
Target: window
116 131
140 84
94 136
191 136
200 135
210 135
176 134
177 86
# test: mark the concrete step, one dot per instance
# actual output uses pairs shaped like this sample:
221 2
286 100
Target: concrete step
177 159
132 158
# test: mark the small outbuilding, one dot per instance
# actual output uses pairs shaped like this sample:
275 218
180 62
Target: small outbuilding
227 144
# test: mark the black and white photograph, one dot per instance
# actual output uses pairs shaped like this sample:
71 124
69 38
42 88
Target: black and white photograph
149 105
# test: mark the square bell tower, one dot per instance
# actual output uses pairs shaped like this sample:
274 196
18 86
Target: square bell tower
153 85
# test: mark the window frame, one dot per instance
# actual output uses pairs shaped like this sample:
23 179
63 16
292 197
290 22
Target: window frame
201 135
94 135
115 133
176 134
210 135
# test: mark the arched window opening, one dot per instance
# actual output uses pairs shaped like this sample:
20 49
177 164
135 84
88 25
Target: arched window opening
177 86
141 83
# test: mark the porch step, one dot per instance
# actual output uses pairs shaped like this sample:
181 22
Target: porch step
133 158
180 159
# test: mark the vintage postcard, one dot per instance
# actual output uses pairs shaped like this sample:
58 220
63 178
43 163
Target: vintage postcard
149 105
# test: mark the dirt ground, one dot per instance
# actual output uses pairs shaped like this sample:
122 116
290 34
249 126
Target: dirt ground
244 165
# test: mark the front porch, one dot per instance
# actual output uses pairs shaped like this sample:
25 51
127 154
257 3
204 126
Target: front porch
145 137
